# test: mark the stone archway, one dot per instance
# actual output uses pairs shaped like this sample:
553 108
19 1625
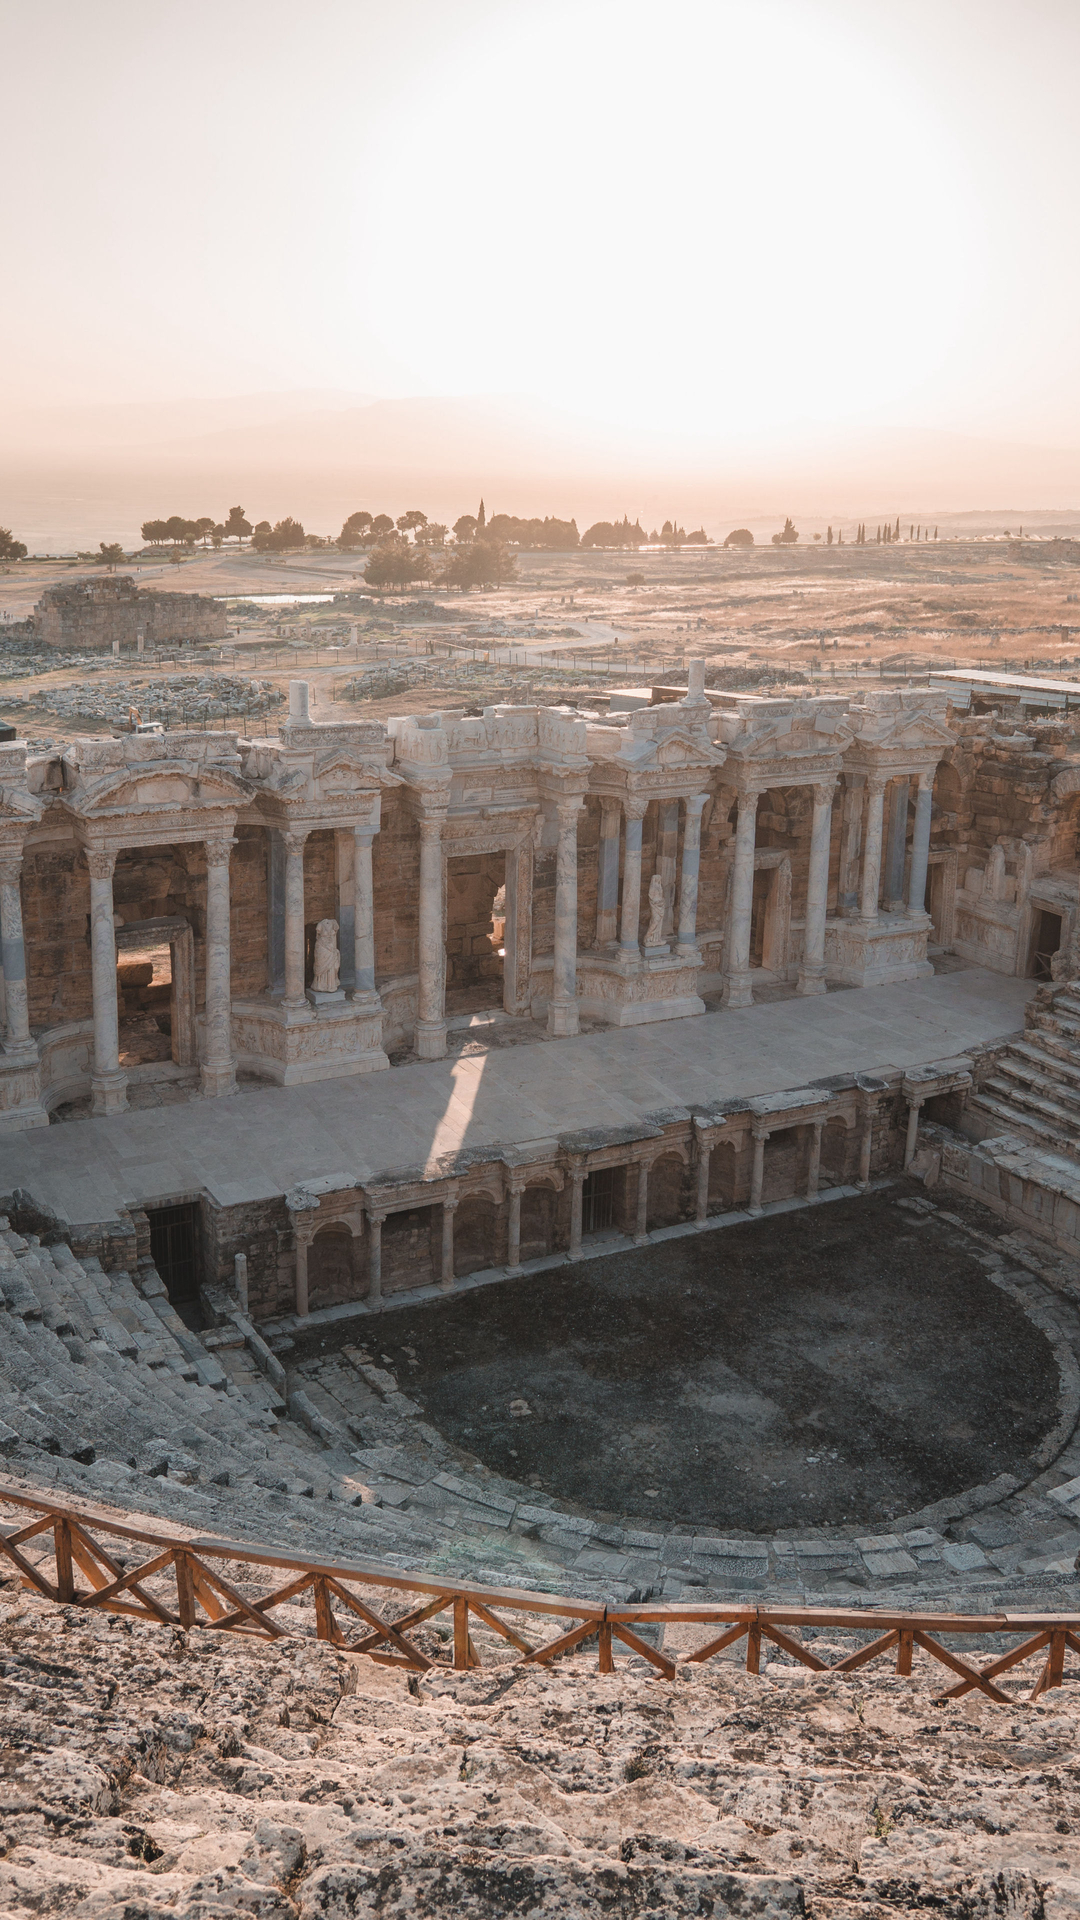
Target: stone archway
537 1222
332 1277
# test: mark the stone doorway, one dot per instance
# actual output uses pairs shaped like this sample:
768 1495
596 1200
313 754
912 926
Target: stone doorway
174 1249
1045 941
155 984
475 931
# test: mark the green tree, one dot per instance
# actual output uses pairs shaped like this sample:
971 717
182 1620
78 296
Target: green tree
217 535
356 529
481 519
154 532
787 536
411 522
465 528
739 537
236 526
395 562
203 529
481 563
431 534
10 548
382 525
111 554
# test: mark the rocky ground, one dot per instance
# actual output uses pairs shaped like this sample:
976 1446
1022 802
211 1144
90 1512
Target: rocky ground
146 1771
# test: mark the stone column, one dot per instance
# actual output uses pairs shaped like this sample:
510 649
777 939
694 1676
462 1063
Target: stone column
866 1147
757 1176
240 1279
218 1074
812 971
13 955
667 853
737 988
431 996
688 880
294 918
364 911
577 1178
305 1233
563 1009
641 1225
607 887
871 861
850 840
345 875
813 1171
375 1227
704 1156
920 844
108 1084
513 1230
634 812
897 847
446 1277
915 1102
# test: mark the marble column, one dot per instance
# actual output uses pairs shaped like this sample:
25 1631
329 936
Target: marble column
607 887
688 879
896 853
577 1180
667 855
866 1146
737 987
364 912
294 918
563 1008
850 843
634 813
513 1230
375 1227
704 1156
871 861
757 1175
431 996
813 1170
641 1223
108 1084
812 971
13 954
345 876
920 844
304 1236
911 1143
218 1073
446 1276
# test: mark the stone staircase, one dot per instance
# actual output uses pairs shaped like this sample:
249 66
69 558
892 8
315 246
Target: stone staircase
1033 1092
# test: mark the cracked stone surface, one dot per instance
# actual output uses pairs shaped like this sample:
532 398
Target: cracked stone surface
151 1772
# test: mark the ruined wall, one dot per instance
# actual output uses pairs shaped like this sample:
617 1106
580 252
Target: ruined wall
248 912
84 616
56 928
395 862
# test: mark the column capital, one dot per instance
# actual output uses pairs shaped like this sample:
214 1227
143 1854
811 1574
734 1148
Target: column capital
926 779
11 860
568 806
376 1215
876 784
101 862
635 805
295 839
431 824
517 1181
695 802
218 850
451 1200
760 1131
824 791
365 830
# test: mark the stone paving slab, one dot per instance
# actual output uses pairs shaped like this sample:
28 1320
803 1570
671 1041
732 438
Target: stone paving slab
264 1142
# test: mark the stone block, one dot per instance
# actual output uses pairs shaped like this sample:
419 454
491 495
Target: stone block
962 1557
890 1566
1067 1493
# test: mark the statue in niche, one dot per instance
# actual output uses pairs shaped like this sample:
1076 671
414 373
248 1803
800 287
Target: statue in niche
654 932
327 960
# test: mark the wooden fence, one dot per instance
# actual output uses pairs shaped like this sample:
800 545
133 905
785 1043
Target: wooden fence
183 1583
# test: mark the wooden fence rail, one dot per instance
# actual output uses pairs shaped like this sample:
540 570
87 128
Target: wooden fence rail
182 1583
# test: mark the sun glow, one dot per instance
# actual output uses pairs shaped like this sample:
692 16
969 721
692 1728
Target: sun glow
735 221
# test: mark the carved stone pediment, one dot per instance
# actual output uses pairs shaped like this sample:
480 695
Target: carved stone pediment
158 787
342 772
791 740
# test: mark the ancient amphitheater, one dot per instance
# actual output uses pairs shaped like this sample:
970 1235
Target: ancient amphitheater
540 1334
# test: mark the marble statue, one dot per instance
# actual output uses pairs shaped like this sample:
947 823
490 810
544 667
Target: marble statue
654 933
327 959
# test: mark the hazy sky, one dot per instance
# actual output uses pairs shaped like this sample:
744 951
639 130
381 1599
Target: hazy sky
733 219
